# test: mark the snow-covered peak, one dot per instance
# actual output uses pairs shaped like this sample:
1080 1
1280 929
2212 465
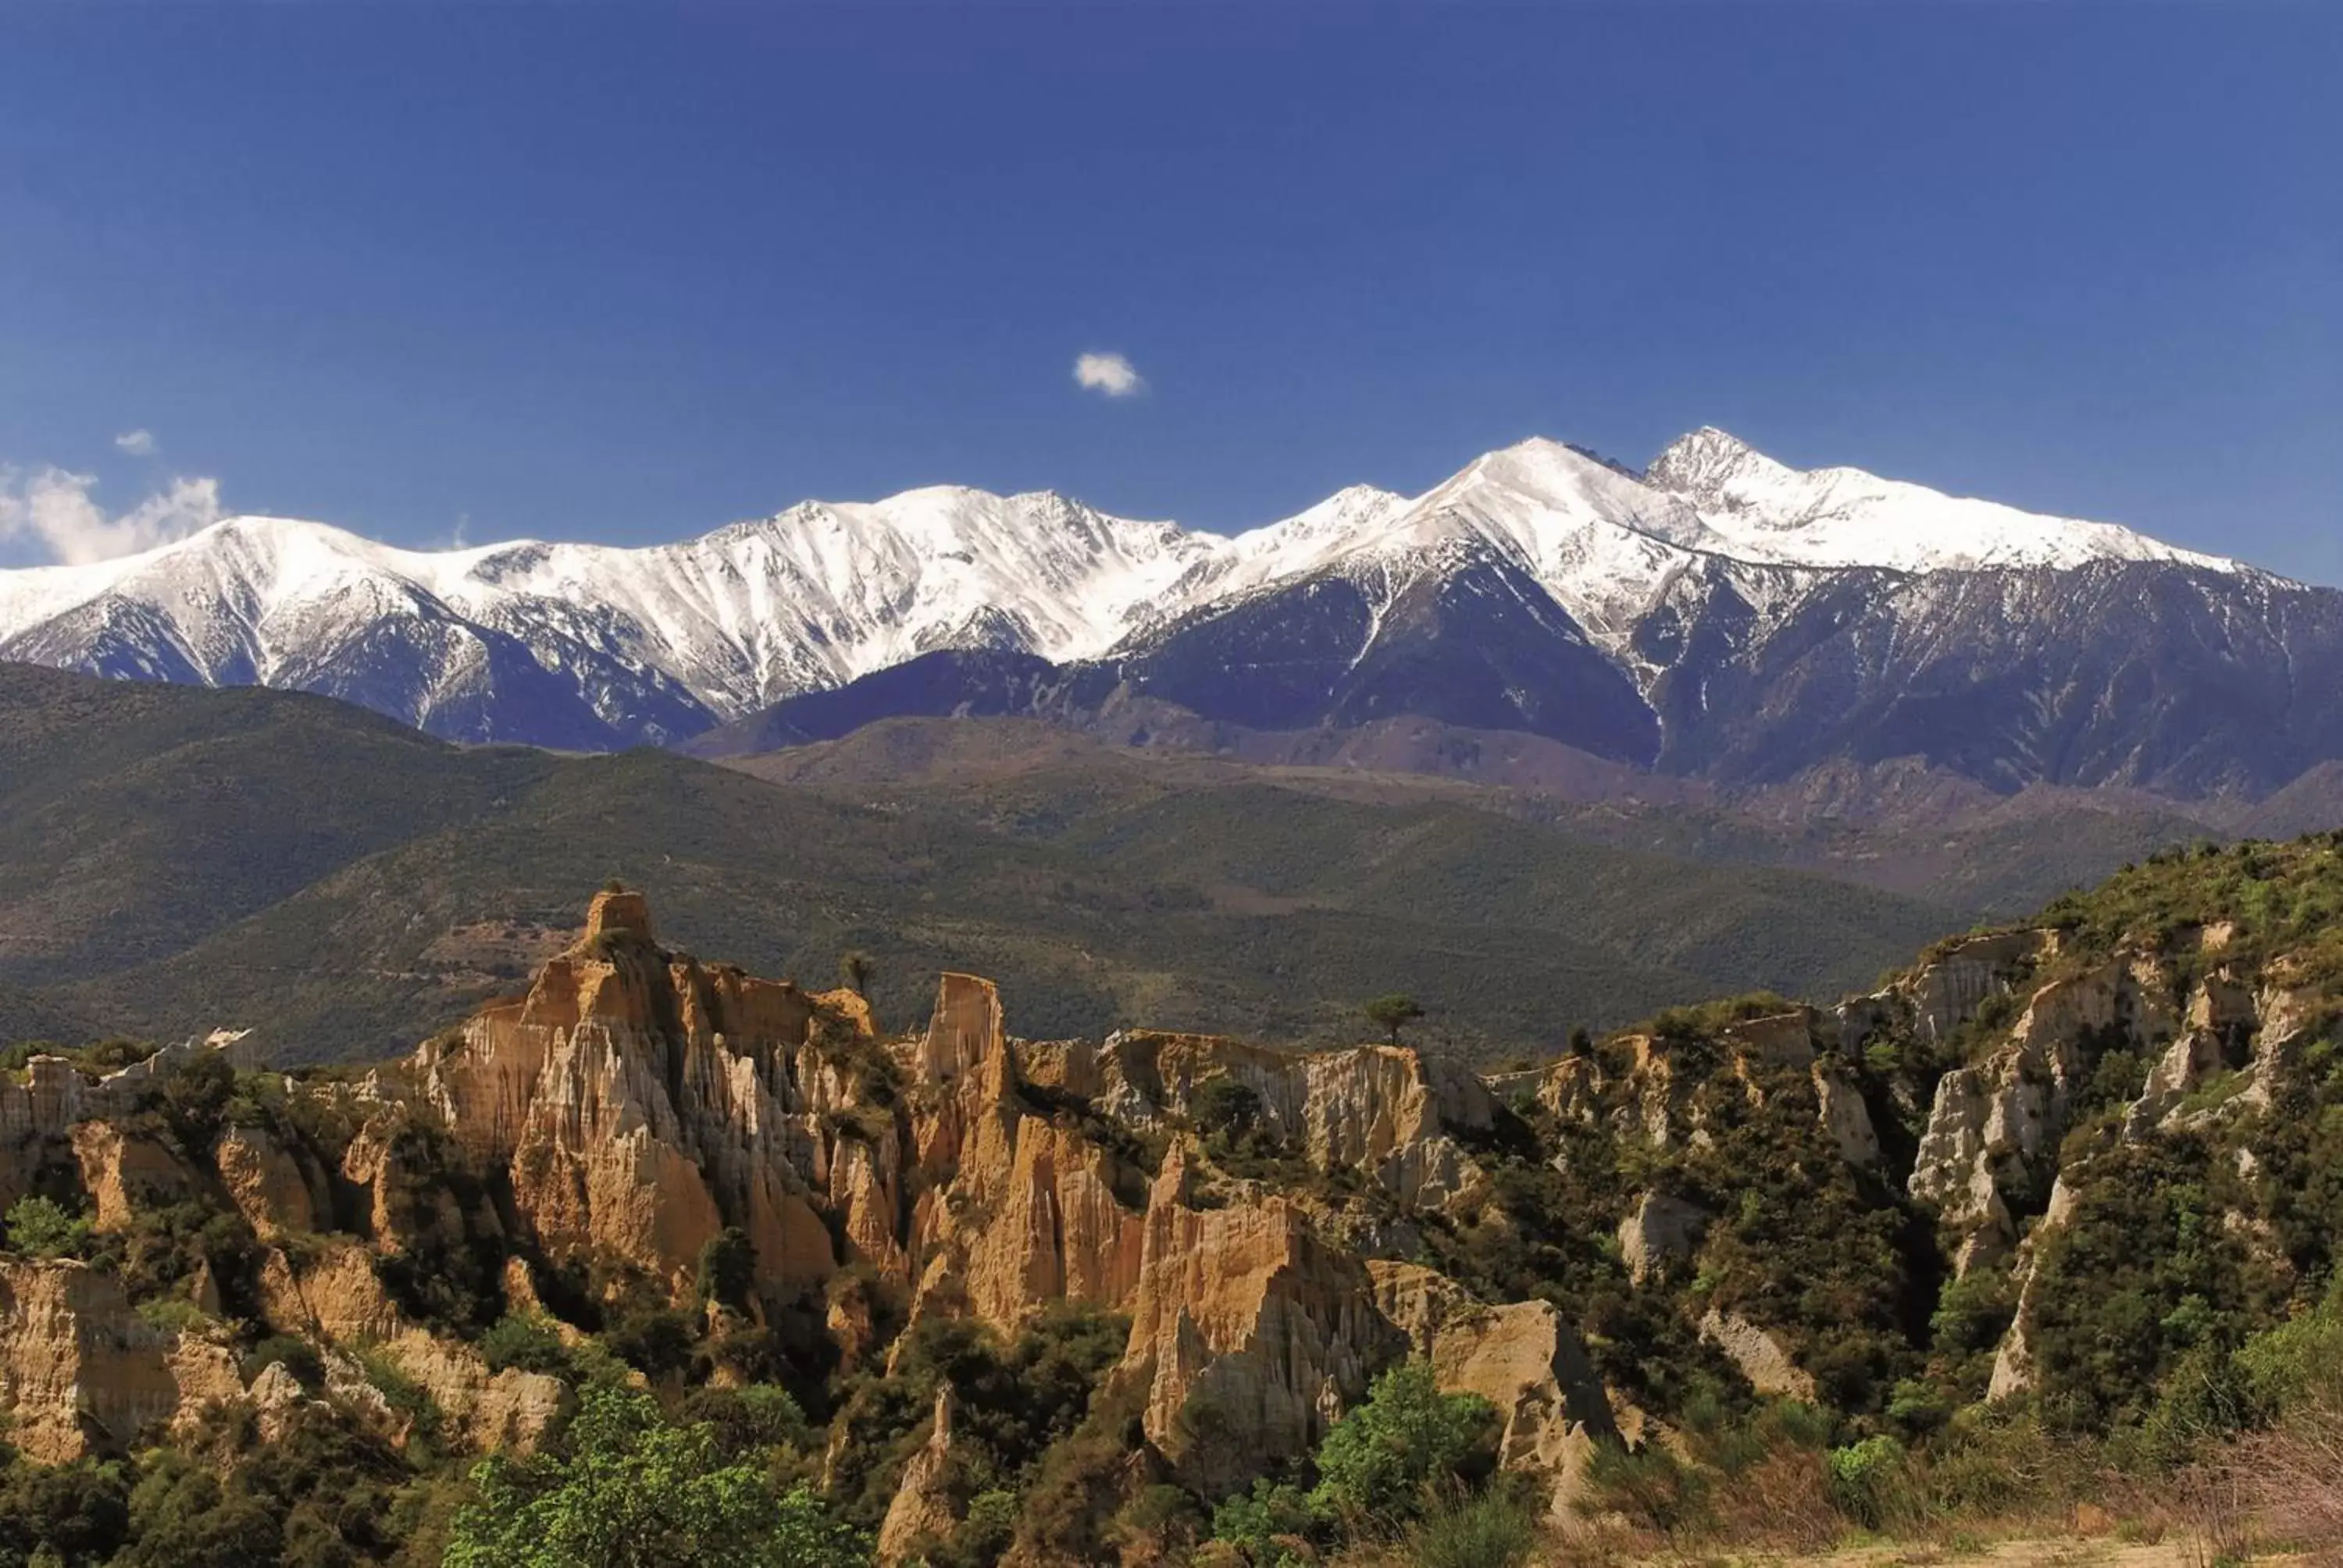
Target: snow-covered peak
1703 465
1343 519
1362 507
656 639
1762 510
812 597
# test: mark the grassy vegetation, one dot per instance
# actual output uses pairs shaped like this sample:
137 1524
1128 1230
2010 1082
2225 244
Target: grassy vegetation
2275 898
257 859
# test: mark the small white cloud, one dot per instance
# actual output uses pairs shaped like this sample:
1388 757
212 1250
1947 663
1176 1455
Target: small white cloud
1109 373
51 509
138 443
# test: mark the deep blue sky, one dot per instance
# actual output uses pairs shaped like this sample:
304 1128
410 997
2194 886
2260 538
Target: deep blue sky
597 271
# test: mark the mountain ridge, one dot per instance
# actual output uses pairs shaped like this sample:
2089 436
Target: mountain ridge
593 646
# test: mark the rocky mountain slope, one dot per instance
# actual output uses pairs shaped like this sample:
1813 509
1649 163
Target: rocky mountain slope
1718 615
2068 1167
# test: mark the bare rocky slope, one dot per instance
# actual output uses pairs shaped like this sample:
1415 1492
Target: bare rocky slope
2067 1166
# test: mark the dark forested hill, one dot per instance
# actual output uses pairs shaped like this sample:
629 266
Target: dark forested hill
174 860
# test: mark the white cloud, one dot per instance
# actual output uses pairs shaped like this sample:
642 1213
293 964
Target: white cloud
138 443
51 509
1109 373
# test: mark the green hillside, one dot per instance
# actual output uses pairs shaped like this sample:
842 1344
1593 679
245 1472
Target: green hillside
202 859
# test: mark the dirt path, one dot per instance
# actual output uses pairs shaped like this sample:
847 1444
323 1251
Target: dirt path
2068 1552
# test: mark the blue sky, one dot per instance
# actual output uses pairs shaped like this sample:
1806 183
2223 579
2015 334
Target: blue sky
625 273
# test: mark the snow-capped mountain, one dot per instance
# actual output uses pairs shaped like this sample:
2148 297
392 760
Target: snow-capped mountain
647 644
1653 616
1752 507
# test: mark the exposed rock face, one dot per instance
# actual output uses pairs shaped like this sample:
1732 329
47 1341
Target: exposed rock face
506 1410
1527 1363
1379 1110
1994 1126
634 1103
1759 1355
1778 1040
276 1189
1521 1357
123 1171
1415 1299
922 1508
641 1104
1524 1360
1659 1231
1252 1332
82 1373
41 1113
1948 991
1026 1209
1844 1114
336 1296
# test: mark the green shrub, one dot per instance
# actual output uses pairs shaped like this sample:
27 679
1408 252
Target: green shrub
403 1395
1223 1105
655 1341
79 1512
627 1487
985 1533
727 1268
751 1420
100 1058
297 1356
1496 1530
196 1096
1269 1525
1393 1013
1651 1487
1866 1479
43 1227
1380 1458
175 1314
527 1341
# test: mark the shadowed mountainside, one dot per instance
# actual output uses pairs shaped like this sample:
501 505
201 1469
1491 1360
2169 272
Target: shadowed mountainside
199 860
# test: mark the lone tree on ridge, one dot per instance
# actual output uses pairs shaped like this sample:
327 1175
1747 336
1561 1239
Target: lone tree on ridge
1393 1013
856 970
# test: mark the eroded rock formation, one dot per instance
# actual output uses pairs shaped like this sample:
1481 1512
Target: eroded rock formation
1257 1215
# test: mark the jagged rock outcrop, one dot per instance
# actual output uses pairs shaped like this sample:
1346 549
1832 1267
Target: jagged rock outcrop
1254 1335
1995 1125
37 1115
641 1104
2013 1360
277 1188
1946 990
1761 1358
1658 1230
1525 1360
123 1171
81 1373
505 1409
336 1294
923 1507
1026 1208
1383 1111
634 1103
1521 1357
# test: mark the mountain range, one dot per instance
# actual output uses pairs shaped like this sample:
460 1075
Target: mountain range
1717 615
